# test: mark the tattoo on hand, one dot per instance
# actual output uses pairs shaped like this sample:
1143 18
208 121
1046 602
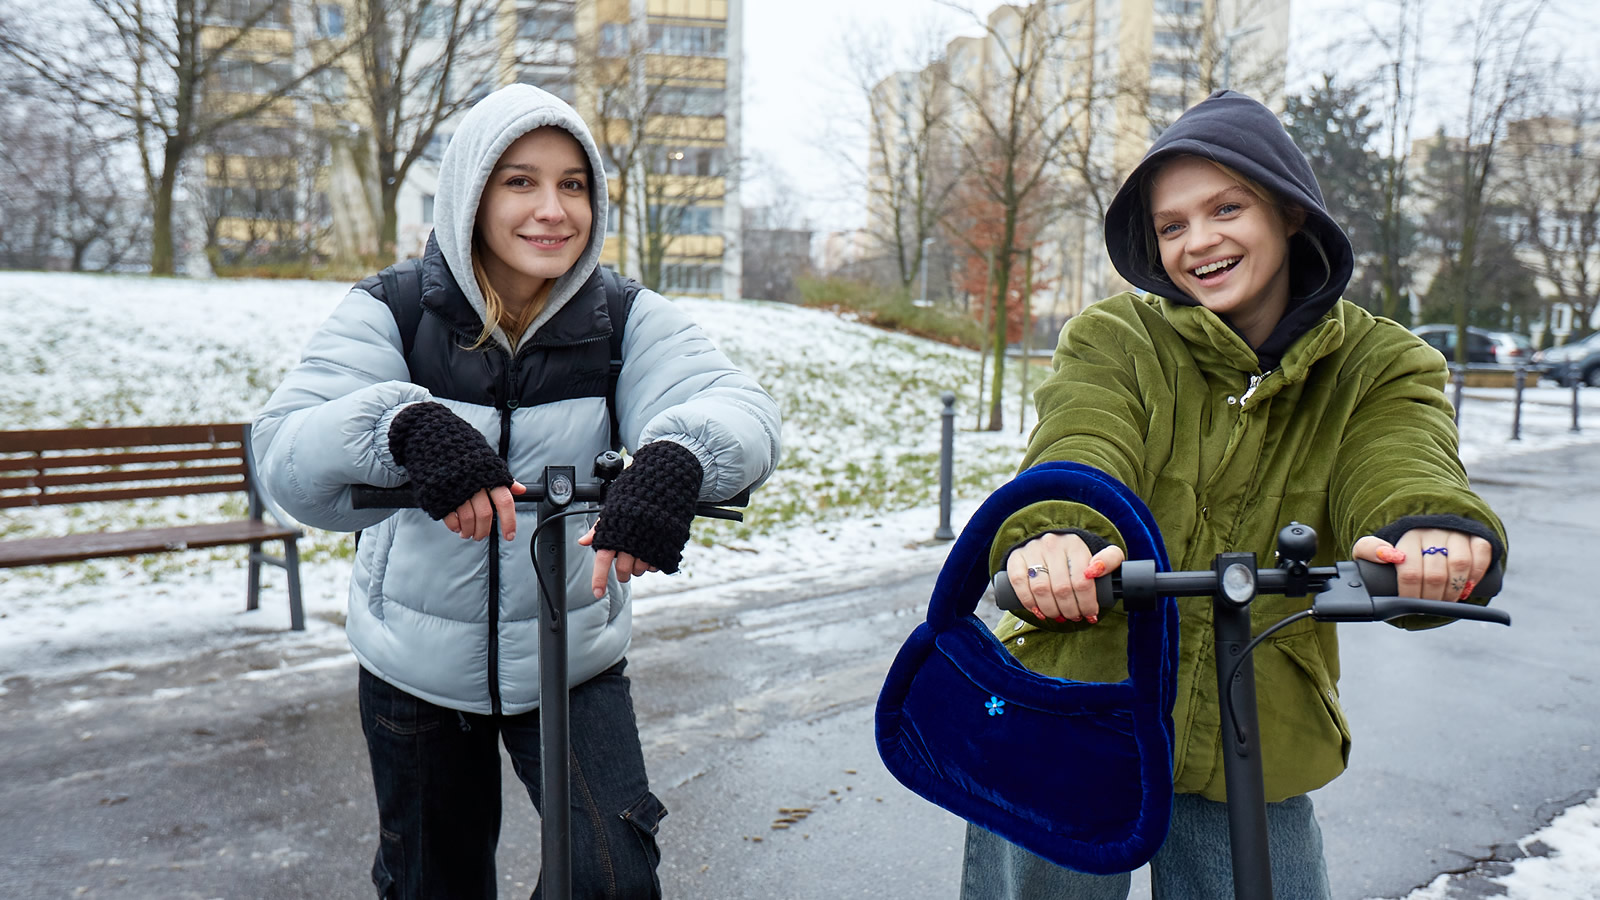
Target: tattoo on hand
1457 585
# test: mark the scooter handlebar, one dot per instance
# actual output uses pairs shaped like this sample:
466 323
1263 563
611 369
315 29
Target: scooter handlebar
1377 582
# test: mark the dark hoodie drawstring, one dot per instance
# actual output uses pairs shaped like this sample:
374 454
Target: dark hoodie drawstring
462 718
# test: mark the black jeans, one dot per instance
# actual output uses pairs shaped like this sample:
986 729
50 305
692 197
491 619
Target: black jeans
437 774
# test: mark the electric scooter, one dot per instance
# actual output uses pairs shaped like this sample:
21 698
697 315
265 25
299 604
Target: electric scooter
1348 591
555 494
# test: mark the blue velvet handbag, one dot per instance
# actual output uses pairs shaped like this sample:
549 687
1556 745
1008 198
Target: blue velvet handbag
958 713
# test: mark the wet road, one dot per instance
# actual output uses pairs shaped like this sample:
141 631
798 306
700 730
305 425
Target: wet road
243 774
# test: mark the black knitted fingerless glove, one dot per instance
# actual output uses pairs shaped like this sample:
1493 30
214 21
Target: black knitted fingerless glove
649 507
447 459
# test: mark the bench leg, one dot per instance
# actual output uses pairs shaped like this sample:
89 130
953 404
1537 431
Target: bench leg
252 594
291 566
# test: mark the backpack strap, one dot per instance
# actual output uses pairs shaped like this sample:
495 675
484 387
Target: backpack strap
402 292
620 293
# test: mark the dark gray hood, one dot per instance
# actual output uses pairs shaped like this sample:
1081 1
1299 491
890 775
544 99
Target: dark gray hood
1245 136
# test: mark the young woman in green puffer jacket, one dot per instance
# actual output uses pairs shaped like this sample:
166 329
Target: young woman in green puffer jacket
1236 394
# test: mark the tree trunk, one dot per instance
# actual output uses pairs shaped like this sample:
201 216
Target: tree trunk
1002 290
162 251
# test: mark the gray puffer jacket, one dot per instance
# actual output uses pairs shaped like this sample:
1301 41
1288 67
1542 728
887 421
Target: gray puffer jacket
455 622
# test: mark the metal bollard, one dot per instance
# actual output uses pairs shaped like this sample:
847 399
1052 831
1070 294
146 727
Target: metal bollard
1516 406
1457 379
947 453
1575 383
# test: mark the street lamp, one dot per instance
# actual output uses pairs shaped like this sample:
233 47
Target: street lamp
1227 51
923 299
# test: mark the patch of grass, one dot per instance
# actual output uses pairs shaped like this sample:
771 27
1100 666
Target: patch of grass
892 309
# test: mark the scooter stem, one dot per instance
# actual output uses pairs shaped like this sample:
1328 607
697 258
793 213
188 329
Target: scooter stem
1241 753
550 554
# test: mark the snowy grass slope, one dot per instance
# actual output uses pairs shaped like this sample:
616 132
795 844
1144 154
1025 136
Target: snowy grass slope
860 406
857 487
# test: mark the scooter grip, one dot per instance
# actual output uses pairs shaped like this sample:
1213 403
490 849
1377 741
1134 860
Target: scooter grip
1382 582
1005 596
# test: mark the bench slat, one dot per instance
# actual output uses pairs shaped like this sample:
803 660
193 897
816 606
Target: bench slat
107 438
171 490
74 547
34 463
234 472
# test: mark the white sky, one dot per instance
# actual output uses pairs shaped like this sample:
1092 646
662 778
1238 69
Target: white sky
793 85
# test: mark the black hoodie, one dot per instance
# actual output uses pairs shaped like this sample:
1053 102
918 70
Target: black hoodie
1245 136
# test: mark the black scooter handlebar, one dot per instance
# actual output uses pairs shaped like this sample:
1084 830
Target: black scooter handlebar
365 496
1360 591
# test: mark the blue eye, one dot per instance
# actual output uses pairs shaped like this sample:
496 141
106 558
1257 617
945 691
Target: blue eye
1228 208
1170 228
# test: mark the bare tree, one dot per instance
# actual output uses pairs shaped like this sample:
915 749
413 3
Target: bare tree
1398 36
1200 47
174 72
262 200
1501 79
66 178
908 187
645 84
1554 170
1013 118
682 196
421 63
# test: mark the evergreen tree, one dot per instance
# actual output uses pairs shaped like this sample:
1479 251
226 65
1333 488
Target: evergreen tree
1335 130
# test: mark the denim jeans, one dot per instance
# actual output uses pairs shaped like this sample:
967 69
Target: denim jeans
437 775
1194 863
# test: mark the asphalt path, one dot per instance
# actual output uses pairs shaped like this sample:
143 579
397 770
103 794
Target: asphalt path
242 774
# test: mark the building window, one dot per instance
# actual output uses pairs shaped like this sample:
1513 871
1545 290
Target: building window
1180 7
250 13
688 40
330 20
614 40
690 101
546 25
559 84
242 139
247 76
686 160
687 219
691 278
435 149
1183 69
251 202
331 85
1166 37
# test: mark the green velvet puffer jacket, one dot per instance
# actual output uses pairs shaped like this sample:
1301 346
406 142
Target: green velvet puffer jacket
1351 432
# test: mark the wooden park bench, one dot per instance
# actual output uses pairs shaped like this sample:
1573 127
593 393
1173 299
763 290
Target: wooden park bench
90 465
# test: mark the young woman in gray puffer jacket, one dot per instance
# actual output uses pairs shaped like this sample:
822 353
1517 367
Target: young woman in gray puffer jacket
507 373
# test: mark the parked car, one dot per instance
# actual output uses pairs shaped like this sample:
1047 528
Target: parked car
1480 343
1578 360
1511 348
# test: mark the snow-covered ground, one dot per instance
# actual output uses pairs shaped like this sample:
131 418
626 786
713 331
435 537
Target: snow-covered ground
857 490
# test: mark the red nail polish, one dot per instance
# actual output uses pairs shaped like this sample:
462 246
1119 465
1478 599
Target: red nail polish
1095 570
1467 591
1061 618
1093 619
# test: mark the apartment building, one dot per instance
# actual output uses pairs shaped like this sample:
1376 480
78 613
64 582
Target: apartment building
659 82
1117 73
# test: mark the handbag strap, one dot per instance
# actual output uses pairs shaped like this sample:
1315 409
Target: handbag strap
1152 635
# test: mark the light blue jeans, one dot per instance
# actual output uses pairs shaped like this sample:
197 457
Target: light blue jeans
1193 864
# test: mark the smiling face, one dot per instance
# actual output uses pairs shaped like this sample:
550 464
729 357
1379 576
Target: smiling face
1222 244
534 216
